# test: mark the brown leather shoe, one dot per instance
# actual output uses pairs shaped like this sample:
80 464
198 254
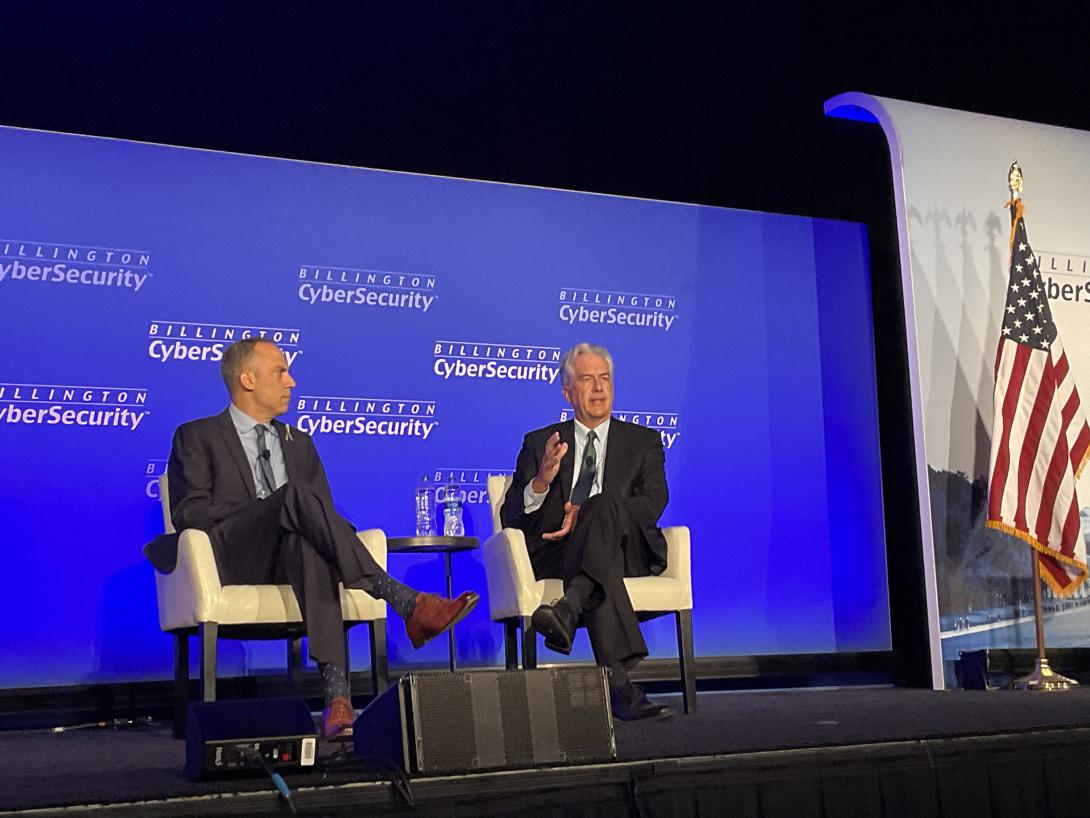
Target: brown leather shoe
434 614
337 720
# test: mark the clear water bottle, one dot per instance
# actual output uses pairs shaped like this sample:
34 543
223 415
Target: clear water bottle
425 508
453 524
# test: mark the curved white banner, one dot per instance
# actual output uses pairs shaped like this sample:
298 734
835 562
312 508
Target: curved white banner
950 176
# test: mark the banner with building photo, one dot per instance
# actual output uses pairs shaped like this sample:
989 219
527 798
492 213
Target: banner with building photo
424 319
951 175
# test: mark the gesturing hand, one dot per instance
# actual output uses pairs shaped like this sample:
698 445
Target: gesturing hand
550 462
571 516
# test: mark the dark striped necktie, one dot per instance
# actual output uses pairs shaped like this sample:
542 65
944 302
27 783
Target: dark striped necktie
587 472
264 461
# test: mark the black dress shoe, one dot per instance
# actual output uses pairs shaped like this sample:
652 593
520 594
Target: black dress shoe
630 703
556 623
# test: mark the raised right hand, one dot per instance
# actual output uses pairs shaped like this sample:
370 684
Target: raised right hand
550 462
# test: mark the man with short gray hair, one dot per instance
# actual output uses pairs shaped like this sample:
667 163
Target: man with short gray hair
588 494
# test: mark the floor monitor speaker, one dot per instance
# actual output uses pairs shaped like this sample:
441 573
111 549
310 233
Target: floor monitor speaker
437 723
244 736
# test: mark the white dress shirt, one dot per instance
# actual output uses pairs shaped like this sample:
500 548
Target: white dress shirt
532 501
246 427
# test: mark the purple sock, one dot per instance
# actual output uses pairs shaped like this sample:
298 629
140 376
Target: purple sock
335 679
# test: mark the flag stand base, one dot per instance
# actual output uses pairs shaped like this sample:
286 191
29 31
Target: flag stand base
1043 678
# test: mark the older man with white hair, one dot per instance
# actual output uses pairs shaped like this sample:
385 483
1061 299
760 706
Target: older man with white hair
588 494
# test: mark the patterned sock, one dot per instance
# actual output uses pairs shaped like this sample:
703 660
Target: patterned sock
336 681
398 596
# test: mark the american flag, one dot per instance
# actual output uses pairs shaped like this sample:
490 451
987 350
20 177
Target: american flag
1040 439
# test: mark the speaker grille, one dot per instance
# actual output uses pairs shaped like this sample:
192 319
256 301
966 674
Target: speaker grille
518 740
581 699
442 711
509 719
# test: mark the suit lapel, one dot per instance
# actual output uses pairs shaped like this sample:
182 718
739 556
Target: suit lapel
234 446
286 448
618 454
567 463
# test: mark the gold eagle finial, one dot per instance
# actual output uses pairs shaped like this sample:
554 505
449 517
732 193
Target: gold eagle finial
1014 180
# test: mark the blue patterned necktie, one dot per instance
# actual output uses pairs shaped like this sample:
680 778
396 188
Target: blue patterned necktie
264 461
587 473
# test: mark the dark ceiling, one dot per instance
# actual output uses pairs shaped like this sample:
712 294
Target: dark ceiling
710 103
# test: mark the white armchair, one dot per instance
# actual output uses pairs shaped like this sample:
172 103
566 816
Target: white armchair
514 593
193 601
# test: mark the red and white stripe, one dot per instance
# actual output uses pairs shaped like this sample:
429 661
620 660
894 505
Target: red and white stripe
1040 442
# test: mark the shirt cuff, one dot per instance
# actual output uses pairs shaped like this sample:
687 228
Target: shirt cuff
531 500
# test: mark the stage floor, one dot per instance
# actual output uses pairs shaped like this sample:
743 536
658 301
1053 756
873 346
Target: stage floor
138 769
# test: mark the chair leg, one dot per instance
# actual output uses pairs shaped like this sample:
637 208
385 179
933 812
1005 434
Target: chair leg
295 665
181 682
380 671
529 644
686 660
511 644
208 634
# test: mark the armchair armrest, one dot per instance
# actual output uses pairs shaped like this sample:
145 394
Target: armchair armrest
512 587
374 540
188 595
678 559
358 605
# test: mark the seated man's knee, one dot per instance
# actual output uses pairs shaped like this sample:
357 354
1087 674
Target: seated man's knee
302 490
600 503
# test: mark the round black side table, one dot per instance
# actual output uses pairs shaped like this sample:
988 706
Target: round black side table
434 544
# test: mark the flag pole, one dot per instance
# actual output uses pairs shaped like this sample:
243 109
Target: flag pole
1027 346
1043 677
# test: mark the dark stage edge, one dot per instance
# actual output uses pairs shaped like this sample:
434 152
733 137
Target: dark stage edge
858 752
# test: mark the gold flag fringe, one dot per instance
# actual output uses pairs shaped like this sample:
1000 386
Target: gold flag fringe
1060 591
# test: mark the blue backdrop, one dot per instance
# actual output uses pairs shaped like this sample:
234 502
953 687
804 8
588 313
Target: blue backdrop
424 318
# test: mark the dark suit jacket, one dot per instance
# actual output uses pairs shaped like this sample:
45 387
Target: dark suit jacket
210 478
635 475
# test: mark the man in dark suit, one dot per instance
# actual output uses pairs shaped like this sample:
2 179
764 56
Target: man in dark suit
592 520
257 486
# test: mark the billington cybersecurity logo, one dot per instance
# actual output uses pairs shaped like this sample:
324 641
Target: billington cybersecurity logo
387 417
1075 269
474 482
489 361
35 263
366 288
36 404
193 341
665 423
611 307
154 469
